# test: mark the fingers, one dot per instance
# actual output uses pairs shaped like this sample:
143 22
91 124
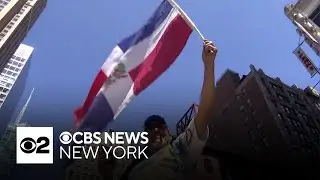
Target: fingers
209 47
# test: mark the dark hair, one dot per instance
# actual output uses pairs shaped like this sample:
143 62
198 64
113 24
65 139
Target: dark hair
154 119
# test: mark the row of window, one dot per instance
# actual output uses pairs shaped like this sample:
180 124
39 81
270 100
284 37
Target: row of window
12 68
314 131
10 24
295 122
15 63
299 130
3 4
10 73
19 59
280 90
5 84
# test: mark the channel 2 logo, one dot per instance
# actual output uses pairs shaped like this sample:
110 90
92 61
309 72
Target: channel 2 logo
34 145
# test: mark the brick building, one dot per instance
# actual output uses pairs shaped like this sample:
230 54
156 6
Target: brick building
261 117
263 128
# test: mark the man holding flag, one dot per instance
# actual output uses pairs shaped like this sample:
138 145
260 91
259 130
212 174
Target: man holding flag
134 64
172 159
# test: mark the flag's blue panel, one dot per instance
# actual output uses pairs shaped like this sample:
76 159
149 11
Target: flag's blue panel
99 115
153 23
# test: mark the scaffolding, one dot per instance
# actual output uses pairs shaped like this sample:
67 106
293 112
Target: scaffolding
186 118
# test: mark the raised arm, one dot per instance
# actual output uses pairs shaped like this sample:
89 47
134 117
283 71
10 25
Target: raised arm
190 143
203 116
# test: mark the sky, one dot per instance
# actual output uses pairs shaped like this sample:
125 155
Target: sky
73 38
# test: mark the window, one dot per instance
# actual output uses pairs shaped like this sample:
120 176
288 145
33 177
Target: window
295 122
288 110
308 119
20 64
259 126
303 137
300 105
276 87
23 60
242 108
5 90
15 63
249 101
314 16
2 96
7 66
265 141
9 73
282 98
14 74
314 131
12 68
18 58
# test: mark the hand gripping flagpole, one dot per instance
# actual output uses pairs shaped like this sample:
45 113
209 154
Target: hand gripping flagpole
185 17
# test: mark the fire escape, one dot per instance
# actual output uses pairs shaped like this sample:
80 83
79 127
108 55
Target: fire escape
186 118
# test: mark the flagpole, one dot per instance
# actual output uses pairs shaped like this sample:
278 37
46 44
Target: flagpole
185 16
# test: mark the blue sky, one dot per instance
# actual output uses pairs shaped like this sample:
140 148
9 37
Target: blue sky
73 38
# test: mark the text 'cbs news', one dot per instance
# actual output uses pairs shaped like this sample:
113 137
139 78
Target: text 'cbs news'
34 145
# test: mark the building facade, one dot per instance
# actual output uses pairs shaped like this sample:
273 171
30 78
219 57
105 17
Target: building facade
8 143
8 150
12 83
16 19
260 116
263 128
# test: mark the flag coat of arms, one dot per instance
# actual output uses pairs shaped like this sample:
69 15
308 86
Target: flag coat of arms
135 63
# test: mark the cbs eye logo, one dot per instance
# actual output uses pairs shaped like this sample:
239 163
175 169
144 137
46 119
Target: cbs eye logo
65 137
29 145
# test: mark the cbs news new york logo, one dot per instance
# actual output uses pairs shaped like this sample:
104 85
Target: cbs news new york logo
34 145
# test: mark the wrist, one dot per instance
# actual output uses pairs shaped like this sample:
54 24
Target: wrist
209 66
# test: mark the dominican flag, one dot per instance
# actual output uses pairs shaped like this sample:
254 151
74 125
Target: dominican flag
135 63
